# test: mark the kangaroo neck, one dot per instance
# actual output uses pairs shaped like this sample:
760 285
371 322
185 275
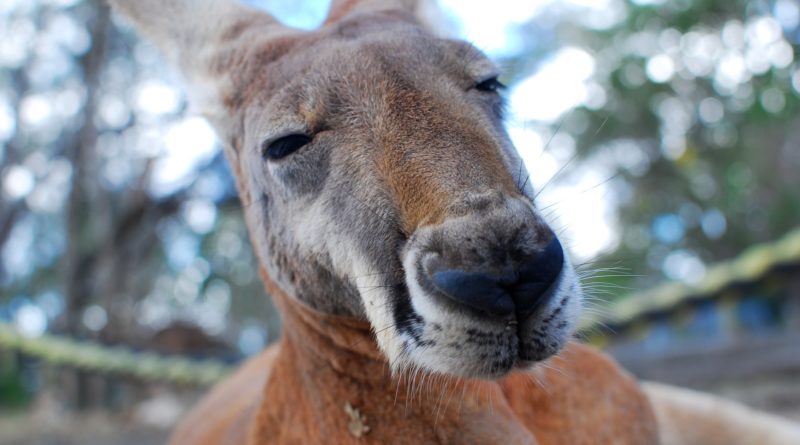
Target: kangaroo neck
331 384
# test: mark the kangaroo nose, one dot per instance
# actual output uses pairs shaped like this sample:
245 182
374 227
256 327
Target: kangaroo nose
521 290
482 291
536 276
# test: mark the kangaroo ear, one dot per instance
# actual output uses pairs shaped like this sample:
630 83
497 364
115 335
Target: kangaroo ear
342 8
425 12
206 40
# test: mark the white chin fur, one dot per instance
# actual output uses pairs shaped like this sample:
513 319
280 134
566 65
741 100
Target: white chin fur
437 353
464 361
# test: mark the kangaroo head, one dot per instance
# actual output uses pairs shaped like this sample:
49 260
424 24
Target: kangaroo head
377 179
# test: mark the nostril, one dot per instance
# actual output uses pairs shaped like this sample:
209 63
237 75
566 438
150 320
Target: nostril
519 291
481 291
536 275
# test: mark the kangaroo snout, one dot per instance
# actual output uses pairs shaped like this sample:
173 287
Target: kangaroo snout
502 264
517 291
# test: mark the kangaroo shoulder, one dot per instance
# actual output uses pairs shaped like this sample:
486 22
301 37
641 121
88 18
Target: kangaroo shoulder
223 416
581 397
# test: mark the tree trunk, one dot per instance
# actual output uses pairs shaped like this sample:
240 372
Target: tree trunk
79 255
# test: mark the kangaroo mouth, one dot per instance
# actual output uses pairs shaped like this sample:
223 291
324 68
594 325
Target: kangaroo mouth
482 324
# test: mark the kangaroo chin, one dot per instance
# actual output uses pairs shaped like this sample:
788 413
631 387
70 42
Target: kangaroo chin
483 302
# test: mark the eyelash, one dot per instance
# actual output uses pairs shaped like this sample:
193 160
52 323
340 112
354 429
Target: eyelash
490 85
284 146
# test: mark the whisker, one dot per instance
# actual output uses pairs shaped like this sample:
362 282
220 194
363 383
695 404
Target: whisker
602 125
553 135
557 173
586 190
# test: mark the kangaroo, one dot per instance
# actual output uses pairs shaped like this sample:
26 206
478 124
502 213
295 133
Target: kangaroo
423 296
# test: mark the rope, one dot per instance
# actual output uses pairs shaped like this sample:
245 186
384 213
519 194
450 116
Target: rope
91 356
748 267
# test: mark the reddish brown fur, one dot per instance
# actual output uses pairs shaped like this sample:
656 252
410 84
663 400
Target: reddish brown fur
295 393
424 198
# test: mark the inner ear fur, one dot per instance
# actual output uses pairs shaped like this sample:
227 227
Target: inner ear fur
219 46
204 39
182 28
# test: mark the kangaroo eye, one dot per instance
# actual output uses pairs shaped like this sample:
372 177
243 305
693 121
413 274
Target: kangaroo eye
490 85
284 146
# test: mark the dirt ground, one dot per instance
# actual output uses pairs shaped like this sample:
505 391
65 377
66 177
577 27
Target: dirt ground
48 422
21 429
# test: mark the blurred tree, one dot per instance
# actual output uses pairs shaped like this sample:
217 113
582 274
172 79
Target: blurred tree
118 215
693 109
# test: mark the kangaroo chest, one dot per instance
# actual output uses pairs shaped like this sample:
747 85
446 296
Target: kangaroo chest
584 401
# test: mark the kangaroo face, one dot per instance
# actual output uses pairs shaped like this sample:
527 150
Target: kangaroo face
378 183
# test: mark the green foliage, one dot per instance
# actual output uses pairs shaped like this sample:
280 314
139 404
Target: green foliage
12 389
702 121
